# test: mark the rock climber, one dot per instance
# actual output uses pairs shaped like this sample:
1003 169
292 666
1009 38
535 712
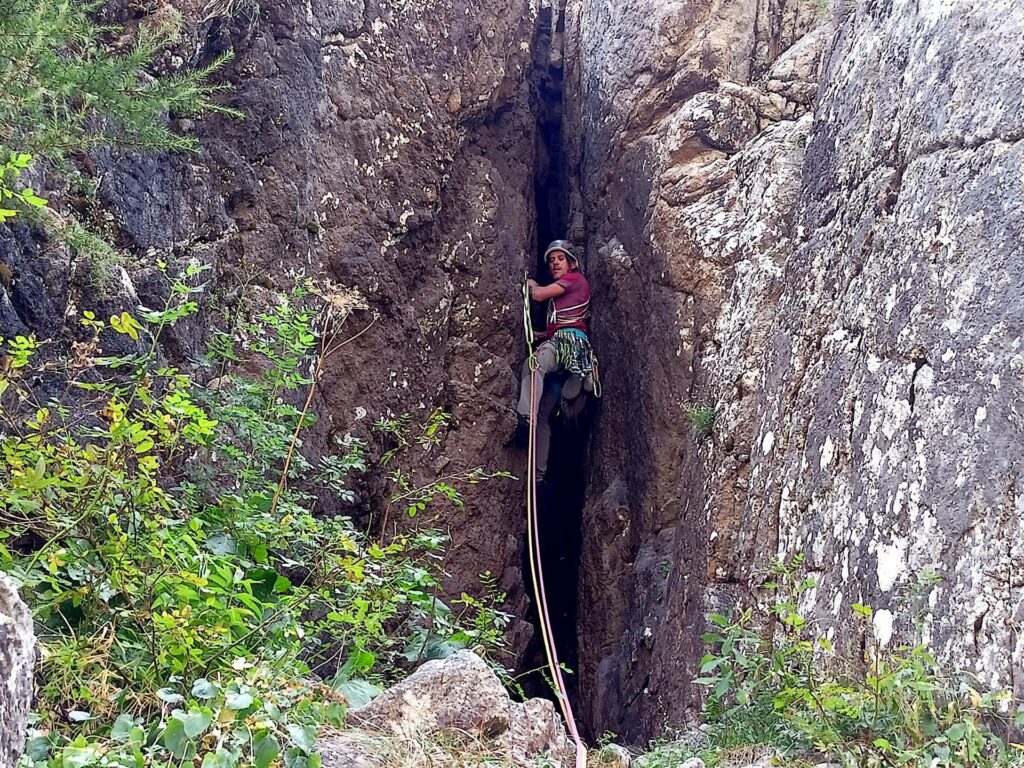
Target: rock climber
565 348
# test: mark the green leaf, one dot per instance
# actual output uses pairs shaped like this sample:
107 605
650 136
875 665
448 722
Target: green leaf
204 689
358 693
721 688
79 755
169 696
709 663
221 544
357 663
122 728
302 736
265 750
37 748
238 701
195 722
175 739
259 554
956 732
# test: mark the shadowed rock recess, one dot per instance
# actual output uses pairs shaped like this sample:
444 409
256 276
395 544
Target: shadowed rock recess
808 221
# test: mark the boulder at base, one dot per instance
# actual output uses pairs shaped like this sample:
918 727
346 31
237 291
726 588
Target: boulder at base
454 705
17 654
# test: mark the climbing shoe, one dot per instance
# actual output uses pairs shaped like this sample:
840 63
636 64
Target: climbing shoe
522 437
572 387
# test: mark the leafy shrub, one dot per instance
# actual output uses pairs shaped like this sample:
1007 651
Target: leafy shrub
11 192
791 690
163 535
72 84
409 495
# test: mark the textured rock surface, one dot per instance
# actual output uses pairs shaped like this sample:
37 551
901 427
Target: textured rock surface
387 146
17 656
457 695
889 435
688 150
841 290
851 313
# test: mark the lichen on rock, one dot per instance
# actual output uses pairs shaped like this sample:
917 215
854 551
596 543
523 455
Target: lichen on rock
17 658
457 701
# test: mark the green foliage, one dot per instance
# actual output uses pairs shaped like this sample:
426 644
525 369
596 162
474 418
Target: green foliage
413 496
179 583
71 84
703 419
791 690
9 187
253 719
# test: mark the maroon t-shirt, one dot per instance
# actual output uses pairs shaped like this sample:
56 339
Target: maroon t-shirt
572 308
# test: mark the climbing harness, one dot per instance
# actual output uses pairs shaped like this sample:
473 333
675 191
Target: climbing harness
533 545
577 313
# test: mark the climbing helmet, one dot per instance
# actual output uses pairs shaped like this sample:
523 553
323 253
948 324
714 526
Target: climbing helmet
565 247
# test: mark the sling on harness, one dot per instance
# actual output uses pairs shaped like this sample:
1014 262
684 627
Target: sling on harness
533 547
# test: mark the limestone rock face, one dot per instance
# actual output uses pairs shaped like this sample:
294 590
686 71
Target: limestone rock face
459 696
17 657
840 288
889 429
688 125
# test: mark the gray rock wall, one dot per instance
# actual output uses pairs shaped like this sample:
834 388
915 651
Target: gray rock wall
841 289
889 429
17 657
687 127
455 698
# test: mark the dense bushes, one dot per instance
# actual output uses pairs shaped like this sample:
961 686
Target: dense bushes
182 587
774 680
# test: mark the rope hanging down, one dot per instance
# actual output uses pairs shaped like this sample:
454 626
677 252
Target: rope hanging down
533 545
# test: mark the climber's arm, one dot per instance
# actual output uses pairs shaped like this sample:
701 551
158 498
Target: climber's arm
544 292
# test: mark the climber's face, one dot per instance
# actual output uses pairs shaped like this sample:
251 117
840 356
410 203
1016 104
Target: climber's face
558 264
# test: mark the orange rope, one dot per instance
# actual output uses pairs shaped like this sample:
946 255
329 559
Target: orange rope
536 569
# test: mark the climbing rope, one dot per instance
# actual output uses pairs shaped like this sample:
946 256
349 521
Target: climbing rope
533 545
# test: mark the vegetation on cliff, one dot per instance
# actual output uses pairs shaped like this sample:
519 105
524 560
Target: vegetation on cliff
778 688
193 601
